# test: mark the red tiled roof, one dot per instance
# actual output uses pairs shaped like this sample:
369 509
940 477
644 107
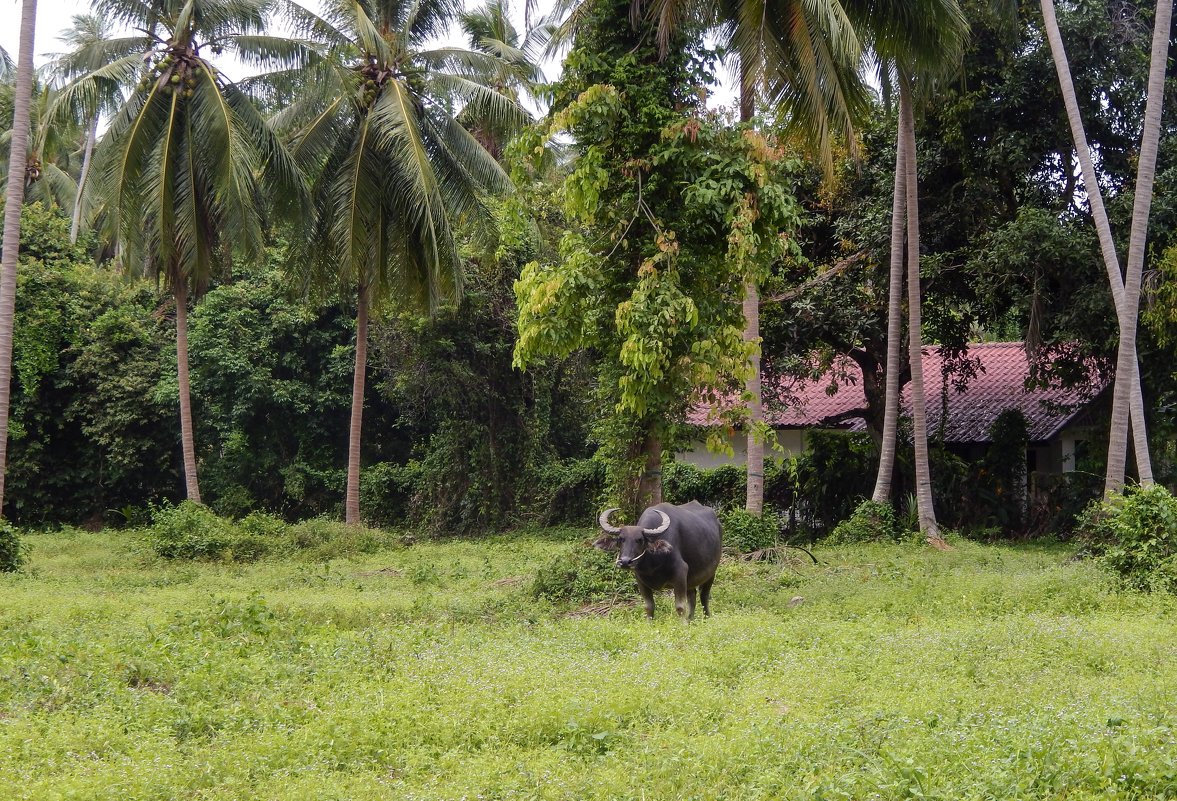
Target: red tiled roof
998 385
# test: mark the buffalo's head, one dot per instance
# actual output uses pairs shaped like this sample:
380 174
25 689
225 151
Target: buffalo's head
632 542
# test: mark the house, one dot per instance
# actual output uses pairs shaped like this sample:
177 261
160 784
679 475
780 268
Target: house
1059 421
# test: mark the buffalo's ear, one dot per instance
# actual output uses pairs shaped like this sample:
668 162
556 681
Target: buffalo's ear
607 542
660 546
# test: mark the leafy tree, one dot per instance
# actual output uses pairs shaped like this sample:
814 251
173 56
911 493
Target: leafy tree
187 157
648 279
89 429
391 163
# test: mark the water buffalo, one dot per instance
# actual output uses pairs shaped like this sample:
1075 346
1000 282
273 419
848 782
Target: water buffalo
671 546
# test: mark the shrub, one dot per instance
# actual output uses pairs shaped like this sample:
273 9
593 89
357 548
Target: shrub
746 532
323 539
577 486
1135 536
870 522
719 487
190 531
387 491
581 574
14 551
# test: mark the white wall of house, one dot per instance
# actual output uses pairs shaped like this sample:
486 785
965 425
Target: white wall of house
790 440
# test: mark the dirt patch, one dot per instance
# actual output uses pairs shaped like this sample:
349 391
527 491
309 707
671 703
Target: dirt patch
602 608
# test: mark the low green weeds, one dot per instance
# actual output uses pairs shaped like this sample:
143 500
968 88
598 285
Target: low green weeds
432 671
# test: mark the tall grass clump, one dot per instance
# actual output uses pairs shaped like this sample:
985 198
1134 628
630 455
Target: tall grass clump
1135 536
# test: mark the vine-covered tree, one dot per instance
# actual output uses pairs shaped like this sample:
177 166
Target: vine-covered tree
651 279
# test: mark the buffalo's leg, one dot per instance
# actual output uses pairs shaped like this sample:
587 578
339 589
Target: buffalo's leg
705 596
680 596
691 603
648 597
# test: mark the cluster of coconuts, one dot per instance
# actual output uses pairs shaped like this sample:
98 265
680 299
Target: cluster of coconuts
373 77
174 72
33 169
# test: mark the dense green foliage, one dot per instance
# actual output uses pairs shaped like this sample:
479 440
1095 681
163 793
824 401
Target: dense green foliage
13 549
90 429
745 532
431 672
1135 536
193 531
870 522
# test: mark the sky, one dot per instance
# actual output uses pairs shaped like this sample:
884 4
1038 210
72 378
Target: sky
53 16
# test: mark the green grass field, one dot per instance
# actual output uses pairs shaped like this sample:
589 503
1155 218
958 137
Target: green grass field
428 672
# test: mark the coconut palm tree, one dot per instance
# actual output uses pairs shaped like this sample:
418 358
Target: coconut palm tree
48 173
513 73
908 39
93 48
187 158
1128 401
392 166
13 200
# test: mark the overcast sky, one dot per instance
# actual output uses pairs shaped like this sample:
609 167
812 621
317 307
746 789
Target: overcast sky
53 16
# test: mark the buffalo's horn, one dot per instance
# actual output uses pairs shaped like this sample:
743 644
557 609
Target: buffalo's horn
604 521
665 524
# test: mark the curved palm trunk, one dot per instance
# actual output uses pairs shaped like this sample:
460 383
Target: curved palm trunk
14 198
1127 368
187 438
923 472
882 493
1107 246
352 502
76 222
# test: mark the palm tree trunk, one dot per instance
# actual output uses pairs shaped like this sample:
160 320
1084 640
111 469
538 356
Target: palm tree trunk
352 502
1103 230
13 200
923 473
1127 369
754 500
187 438
76 222
882 493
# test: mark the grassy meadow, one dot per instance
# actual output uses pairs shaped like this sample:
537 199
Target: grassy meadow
428 671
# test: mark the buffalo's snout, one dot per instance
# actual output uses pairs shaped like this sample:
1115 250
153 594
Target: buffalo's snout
624 561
